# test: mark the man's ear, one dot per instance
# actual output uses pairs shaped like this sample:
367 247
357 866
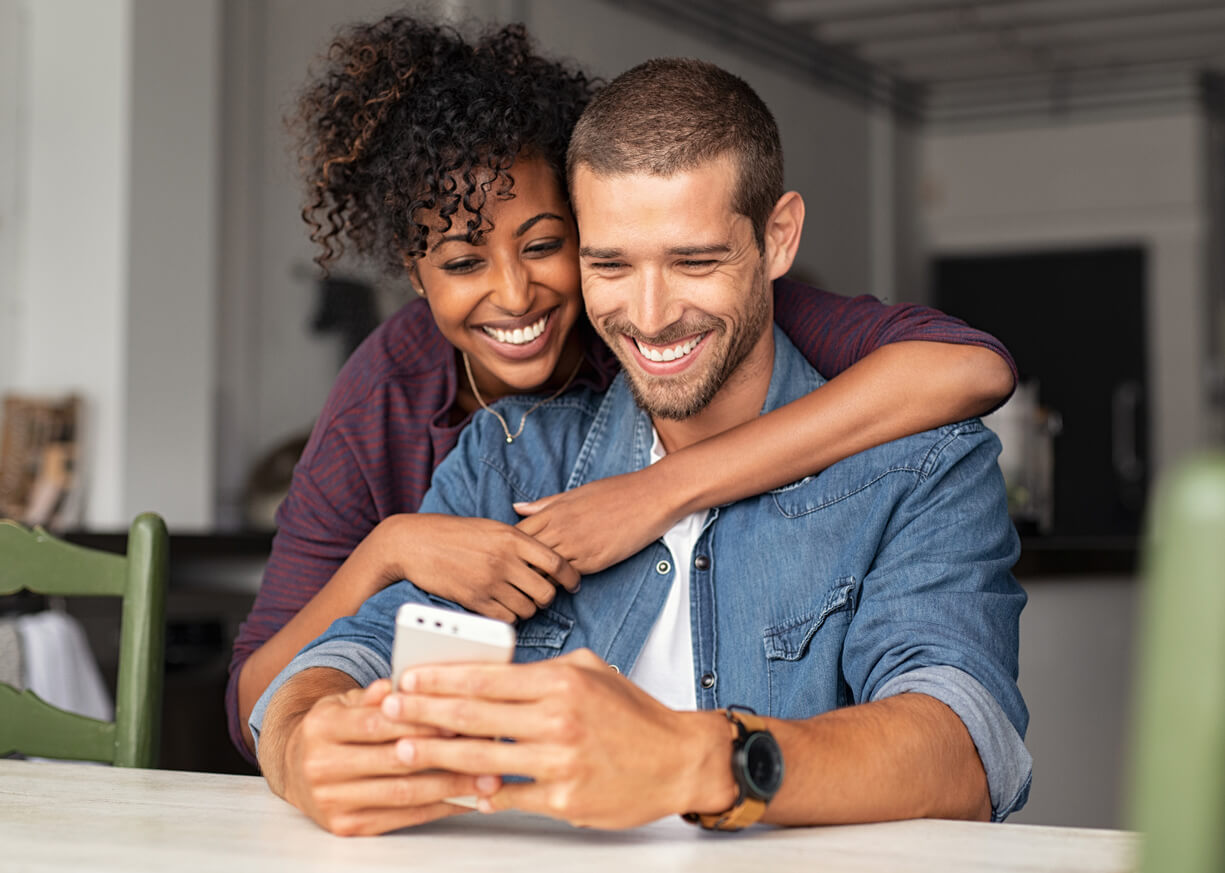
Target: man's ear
783 230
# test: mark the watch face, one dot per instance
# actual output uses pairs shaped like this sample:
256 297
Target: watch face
763 765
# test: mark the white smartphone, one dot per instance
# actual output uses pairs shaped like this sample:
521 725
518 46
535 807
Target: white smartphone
431 635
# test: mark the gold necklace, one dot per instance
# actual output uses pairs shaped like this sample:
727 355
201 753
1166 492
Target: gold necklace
510 438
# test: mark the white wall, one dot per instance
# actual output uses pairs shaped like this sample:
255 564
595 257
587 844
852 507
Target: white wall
1087 184
71 331
172 274
13 38
116 250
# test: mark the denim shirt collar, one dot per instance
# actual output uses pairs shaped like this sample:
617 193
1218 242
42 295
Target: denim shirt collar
620 436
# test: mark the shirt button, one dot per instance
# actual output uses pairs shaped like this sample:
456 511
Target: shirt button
708 680
662 567
701 562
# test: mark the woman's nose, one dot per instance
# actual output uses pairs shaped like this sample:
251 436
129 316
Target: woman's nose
512 291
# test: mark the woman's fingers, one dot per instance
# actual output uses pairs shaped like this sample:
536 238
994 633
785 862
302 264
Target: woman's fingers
547 561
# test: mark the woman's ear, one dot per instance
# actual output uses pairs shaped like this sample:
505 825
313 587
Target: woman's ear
783 230
414 276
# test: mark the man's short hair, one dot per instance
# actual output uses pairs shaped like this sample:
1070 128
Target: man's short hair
671 115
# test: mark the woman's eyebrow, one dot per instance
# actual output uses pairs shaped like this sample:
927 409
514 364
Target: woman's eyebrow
531 222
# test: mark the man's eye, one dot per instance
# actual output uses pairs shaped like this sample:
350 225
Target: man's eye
606 265
464 265
698 265
544 247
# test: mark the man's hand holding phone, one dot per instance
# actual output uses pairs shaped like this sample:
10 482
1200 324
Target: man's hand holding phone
430 635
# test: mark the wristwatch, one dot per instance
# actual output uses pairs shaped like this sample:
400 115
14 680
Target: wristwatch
757 766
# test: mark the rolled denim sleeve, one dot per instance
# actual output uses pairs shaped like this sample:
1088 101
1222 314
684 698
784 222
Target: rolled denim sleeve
357 645
1005 759
941 594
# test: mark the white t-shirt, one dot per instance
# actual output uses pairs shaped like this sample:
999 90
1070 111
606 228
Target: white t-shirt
664 668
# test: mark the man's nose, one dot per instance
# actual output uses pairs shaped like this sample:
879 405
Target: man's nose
512 290
651 309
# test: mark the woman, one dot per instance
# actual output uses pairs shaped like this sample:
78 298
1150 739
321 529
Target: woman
446 159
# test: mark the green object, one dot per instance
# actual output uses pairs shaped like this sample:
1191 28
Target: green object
1178 797
36 561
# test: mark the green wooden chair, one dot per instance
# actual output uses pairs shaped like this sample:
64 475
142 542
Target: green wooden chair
34 560
1178 793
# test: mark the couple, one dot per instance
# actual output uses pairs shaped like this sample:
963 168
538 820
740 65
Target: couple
866 614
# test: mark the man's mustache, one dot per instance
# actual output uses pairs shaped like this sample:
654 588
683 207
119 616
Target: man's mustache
674 332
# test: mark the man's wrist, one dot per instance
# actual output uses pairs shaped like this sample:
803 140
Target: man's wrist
708 786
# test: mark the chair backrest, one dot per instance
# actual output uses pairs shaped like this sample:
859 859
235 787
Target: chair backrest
1178 795
34 560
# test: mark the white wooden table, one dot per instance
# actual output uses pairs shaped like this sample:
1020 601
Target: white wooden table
80 818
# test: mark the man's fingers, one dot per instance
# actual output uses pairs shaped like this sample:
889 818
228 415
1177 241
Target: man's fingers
391 792
466 717
538 797
368 822
561 677
345 724
477 757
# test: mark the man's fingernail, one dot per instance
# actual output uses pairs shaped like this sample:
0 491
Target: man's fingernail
406 751
408 682
483 804
487 784
392 706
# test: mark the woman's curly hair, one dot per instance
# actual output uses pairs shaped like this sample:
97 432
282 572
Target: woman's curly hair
404 117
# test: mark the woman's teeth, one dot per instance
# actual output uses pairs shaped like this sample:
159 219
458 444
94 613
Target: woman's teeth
670 354
519 335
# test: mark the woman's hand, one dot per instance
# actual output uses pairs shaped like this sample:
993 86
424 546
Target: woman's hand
486 566
601 523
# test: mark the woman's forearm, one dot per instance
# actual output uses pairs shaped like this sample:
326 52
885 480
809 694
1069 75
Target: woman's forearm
898 390
366 571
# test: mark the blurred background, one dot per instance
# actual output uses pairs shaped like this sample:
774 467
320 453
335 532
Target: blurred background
1053 171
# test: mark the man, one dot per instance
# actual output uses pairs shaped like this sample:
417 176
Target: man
866 614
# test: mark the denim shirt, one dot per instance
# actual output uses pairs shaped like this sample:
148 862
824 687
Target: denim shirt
888 572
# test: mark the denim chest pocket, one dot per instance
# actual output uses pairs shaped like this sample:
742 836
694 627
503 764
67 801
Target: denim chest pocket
542 636
804 655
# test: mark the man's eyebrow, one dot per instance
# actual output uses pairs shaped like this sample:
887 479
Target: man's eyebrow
598 254
690 251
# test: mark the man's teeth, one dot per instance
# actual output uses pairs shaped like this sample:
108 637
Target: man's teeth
669 354
519 335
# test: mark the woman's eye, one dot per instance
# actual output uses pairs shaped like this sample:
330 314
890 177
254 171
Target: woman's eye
465 265
544 247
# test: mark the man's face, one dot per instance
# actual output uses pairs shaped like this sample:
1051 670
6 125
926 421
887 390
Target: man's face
673 281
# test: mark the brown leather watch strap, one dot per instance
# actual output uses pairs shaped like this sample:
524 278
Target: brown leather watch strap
746 810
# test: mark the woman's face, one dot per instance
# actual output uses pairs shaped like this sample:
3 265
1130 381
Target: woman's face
511 300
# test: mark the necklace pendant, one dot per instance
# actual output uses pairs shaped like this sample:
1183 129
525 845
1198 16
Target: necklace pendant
509 438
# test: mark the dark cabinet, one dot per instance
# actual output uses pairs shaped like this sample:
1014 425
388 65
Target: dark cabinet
1075 322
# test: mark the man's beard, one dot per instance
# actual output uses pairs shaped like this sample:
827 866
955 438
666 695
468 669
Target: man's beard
685 395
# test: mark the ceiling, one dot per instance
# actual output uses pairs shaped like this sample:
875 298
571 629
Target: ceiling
973 60
948 61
